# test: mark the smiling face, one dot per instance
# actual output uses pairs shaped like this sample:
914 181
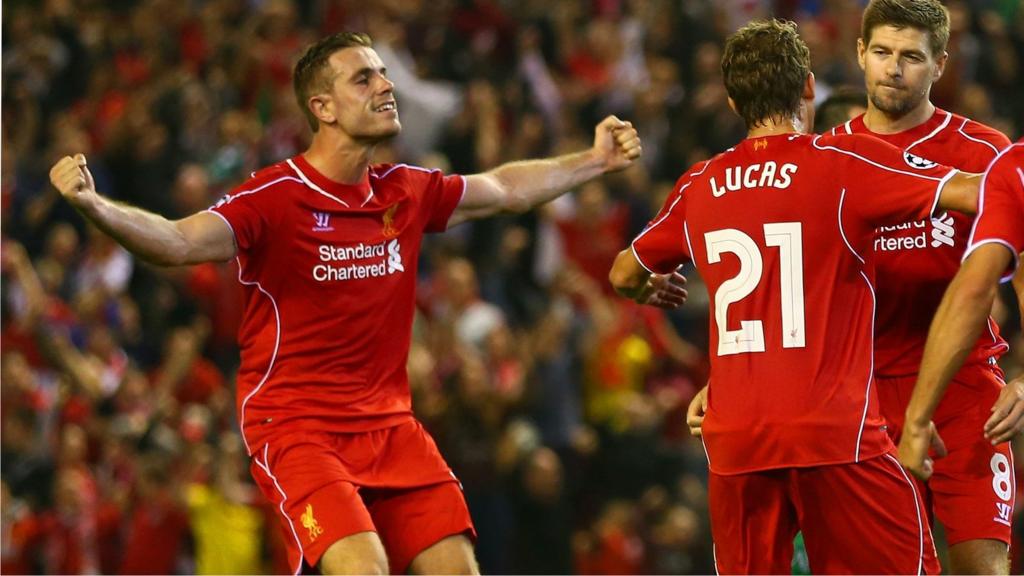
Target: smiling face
899 68
360 98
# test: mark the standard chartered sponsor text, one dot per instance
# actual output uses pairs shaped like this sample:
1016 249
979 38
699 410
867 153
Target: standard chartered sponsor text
361 261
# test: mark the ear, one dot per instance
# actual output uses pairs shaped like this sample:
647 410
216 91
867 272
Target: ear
862 50
940 65
732 105
809 87
806 112
322 107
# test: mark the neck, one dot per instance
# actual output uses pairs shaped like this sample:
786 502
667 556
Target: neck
774 127
341 160
881 122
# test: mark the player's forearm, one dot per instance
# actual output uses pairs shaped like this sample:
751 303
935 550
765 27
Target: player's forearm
529 183
149 236
952 335
960 193
627 277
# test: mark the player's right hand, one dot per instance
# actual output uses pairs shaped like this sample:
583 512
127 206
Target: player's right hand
695 412
1007 413
915 442
664 291
71 177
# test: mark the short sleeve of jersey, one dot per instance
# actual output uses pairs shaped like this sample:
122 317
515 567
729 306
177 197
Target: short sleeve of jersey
1001 214
663 245
245 210
883 185
441 194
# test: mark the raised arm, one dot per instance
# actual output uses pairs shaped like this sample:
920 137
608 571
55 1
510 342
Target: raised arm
954 330
202 237
960 193
519 186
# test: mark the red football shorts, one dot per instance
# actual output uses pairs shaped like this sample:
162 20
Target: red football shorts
394 482
972 490
858 518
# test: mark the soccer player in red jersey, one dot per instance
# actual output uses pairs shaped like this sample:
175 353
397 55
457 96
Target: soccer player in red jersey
993 254
902 51
327 245
781 229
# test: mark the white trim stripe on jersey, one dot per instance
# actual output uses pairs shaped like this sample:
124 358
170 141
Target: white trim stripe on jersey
273 357
397 166
933 132
232 197
871 369
639 260
991 325
284 498
873 163
230 227
686 233
842 232
849 128
938 190
978 140
316 188
465 186
916 507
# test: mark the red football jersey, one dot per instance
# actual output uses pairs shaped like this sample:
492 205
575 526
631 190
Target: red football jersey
780 229
1001 205
329 272
917 260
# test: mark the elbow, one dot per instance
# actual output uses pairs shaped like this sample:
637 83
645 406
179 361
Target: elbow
624 282
516 204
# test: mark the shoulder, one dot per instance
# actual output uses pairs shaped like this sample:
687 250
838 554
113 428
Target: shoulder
394 172
1008 163
849 144
979 137
265 178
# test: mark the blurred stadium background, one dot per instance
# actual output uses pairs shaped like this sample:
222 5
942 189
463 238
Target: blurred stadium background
560 407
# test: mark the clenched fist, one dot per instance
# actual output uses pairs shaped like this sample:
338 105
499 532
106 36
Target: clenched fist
618 143
71 177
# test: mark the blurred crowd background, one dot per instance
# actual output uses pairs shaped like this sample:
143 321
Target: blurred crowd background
560 407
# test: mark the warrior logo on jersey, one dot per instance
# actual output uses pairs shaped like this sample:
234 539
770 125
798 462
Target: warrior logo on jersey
323 222
915 161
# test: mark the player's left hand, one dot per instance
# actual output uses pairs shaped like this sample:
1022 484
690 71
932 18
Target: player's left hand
617 142
1007 413
913 451
664 291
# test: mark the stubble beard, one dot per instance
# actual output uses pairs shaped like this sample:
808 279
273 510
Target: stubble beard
895 107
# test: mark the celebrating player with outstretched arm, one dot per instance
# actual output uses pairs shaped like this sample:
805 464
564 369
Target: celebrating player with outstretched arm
327 245
781 228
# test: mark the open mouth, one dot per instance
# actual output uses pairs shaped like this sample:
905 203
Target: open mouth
386 107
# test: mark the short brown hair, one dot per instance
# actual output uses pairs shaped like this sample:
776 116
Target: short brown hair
765 65
926 15
310 71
